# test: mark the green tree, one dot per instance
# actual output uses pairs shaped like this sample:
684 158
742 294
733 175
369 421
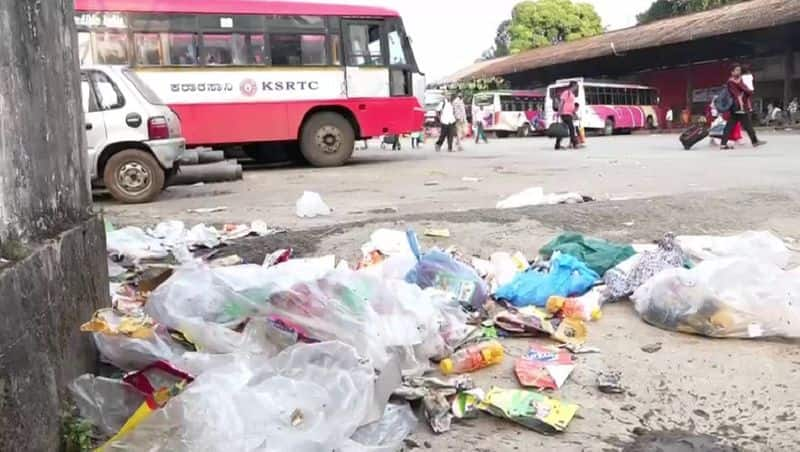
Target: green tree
664 9
501 42
542 23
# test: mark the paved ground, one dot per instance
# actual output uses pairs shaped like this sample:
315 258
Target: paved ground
744 394
377 182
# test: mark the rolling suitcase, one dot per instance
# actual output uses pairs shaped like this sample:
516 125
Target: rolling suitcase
692 136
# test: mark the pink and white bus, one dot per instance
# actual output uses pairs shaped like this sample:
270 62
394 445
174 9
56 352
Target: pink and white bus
609 106
264 75
508 113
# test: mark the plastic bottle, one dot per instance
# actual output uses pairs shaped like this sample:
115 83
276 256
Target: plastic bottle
473 358
575 308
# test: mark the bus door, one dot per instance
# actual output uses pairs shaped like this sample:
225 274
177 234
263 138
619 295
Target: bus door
367 73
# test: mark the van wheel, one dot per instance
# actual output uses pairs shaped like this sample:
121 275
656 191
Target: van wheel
327 139
133 176
524 131
608 129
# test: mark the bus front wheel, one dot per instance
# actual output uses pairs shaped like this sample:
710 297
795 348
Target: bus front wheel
327 139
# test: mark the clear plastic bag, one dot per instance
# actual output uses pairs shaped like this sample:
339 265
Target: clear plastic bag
131 342
131 354
309 398
105 402
440 270
734 297
133 245
388 433
358 309
760 246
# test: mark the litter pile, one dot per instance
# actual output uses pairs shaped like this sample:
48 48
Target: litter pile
310 354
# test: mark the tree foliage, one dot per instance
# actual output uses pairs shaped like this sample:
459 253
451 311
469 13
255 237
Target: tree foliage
542 23
502 40
664 9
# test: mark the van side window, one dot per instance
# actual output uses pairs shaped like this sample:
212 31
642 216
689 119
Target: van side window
109 97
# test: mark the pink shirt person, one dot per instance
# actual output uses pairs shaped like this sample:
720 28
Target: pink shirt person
567 103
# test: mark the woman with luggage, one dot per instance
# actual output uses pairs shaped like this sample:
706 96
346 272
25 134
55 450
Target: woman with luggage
742 108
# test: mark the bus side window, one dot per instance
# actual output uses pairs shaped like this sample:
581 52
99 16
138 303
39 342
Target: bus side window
111 47
298 49
183 49
85 55
223 49
148 49
364 45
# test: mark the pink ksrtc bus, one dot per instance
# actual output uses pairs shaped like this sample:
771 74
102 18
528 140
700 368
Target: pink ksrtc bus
608 106
265 75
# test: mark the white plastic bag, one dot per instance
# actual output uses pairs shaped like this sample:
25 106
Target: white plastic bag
131 354
309 398
723 298
388 433
311 205
134 245
761 246
536 197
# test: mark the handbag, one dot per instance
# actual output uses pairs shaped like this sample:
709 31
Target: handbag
558 130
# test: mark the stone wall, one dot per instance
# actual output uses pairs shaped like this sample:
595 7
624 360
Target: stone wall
57 275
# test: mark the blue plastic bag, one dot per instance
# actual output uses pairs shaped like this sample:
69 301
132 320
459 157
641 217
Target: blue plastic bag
568 277
440 270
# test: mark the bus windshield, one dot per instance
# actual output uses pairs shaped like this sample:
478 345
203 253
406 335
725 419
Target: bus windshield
483 100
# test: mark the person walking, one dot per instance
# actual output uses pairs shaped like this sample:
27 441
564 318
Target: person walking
478 118
566 111
460 112
447 119
742 109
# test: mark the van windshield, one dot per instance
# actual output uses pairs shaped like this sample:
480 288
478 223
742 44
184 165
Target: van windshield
149 95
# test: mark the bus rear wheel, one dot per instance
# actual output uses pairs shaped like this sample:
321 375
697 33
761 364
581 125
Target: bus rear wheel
327 139
525 131
608 130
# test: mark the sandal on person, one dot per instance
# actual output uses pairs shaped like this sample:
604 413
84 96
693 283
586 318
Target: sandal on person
727 147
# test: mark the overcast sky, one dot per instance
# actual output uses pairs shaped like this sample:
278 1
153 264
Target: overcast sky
451 34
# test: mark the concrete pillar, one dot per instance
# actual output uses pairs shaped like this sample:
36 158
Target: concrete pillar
54 271
788 78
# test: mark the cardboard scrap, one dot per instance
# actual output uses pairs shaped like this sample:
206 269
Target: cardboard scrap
544 367
530 409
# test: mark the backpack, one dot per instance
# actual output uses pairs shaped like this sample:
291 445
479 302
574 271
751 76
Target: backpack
724 102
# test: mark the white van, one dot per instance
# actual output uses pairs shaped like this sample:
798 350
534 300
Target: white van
506 113
134 140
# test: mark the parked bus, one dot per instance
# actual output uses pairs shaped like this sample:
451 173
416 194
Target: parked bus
264 74
506 113
608 106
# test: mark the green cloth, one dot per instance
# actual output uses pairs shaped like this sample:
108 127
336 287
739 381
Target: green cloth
598 254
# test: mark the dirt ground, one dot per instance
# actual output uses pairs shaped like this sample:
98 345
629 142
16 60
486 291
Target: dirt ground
694 394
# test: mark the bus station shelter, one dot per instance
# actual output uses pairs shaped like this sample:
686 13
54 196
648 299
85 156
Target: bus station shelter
686 58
